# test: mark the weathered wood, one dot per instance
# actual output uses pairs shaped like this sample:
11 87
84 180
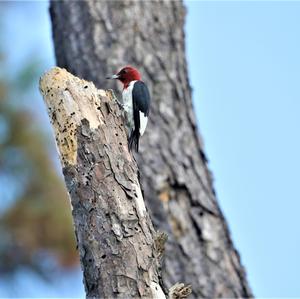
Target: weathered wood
95 38
115 236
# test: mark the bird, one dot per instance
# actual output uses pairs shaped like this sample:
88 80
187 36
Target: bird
135 102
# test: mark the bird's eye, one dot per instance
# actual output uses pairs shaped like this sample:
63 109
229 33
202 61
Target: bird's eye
121 72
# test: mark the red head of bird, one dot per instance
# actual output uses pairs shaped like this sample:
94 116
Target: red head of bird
126 75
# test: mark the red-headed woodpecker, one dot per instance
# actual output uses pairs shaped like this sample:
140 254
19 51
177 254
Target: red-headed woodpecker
136 103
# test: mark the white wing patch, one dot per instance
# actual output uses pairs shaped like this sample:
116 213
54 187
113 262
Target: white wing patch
143 122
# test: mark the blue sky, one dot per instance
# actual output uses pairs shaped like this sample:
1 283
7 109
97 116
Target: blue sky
244 68
245 71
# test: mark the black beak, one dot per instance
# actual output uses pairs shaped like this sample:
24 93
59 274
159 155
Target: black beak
112 77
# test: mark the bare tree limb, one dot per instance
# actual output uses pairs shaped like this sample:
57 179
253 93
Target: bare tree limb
115 236
99 37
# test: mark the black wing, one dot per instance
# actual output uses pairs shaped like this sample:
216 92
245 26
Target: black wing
141 103
141 97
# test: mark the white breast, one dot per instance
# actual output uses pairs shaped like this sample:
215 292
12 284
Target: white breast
128 106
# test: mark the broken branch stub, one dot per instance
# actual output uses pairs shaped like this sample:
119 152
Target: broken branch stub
114 232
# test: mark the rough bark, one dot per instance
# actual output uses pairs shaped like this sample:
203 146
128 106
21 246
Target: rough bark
95 38
115 236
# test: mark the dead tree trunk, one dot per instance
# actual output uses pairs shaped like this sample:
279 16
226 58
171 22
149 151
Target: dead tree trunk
114 233
95 38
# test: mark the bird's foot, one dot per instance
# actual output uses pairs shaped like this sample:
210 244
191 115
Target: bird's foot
113 96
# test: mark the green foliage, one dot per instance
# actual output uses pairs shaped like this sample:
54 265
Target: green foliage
35 210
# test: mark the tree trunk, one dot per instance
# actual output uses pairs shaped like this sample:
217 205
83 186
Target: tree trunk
95 38
115 235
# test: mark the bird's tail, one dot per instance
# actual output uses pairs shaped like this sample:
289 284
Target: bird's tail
133 141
